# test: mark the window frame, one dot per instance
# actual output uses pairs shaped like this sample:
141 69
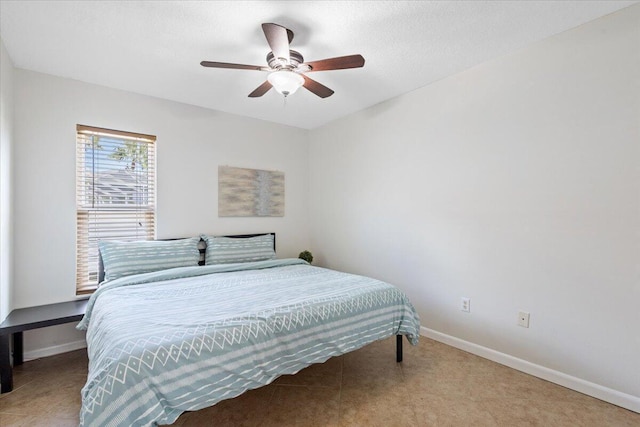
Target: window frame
130 215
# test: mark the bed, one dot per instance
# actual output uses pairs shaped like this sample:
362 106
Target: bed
182 338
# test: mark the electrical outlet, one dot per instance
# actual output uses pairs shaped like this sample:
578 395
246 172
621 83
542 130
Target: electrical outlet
465 304
523 319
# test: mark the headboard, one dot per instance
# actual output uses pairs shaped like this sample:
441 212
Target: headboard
202 247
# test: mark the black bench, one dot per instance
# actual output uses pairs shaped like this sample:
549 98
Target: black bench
23 319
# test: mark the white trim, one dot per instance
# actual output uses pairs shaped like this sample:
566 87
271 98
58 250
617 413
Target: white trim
595 390
592 389
53 350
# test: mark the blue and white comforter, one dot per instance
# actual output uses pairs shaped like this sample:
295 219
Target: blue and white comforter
186 338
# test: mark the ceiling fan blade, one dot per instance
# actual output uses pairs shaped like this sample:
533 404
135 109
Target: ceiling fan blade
233 66
319 89
339 63
261 90
278 39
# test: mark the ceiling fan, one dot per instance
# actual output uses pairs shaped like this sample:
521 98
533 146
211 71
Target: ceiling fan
287 68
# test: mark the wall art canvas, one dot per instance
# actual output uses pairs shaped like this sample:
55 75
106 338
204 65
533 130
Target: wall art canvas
250 192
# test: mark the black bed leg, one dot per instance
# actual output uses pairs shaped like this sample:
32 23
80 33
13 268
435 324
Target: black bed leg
398 348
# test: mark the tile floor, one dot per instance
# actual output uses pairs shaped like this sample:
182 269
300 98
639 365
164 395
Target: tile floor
436 385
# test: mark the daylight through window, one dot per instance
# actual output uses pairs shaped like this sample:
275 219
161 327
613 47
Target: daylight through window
115 192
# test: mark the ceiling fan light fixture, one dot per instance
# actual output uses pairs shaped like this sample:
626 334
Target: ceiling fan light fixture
285 82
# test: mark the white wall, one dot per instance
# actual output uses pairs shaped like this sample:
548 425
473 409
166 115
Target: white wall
515 183
6 144
191 143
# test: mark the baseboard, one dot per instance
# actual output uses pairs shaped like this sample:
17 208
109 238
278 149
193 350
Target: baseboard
53 350
595 390
615 397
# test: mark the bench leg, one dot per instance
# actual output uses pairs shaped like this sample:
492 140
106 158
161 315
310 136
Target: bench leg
18 349
6 373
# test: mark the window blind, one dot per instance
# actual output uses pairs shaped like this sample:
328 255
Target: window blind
115 194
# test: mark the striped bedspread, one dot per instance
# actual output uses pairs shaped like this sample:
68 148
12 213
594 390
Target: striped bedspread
186 338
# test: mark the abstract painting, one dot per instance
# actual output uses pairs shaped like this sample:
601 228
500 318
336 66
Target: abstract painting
250 192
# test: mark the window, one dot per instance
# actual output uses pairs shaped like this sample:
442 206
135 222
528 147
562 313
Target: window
115 193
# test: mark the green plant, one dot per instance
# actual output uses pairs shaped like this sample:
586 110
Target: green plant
306 255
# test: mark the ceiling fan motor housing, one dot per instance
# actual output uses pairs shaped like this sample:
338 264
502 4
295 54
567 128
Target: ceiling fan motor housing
295 59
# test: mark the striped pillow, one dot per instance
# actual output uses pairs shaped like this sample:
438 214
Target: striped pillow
228 250
126 258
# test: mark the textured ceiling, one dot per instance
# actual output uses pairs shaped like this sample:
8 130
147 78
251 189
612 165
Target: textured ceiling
155 48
